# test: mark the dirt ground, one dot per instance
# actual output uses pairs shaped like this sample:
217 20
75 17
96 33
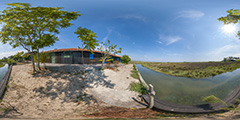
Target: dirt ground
67 95
58 94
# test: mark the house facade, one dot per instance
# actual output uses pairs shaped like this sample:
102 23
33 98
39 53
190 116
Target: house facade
74 56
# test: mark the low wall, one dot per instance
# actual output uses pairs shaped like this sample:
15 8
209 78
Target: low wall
4 82
141 79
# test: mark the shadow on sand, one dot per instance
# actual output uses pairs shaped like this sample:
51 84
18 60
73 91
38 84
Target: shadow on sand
71 81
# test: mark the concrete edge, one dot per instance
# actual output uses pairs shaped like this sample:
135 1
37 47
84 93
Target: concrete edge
141 78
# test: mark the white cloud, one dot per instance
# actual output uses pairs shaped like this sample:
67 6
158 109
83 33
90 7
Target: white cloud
133 16
192 14
159 42
225 51
108 34
7 50
168 40
6 54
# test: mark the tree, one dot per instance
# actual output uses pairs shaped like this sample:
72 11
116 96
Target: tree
33 27
18 57
88 39
107 49
232 17
42 57
125 59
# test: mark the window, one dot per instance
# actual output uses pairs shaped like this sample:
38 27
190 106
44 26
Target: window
117 59
67 55
91 56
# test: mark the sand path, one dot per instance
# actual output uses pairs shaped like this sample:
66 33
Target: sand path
65 93
115 88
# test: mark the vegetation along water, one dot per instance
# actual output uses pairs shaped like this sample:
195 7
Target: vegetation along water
3 70
192 69
184 90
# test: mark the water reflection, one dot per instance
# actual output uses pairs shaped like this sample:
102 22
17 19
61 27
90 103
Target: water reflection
184 90
3 71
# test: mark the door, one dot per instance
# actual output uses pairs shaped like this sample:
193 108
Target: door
53 58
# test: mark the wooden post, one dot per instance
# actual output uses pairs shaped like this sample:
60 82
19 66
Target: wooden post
151 94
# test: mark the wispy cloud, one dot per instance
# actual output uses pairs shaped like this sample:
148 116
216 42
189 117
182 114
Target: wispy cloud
168 40
192 14
133 16
7 50
6 54
225 51
108 34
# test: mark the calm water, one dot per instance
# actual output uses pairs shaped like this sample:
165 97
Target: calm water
184 90
3 71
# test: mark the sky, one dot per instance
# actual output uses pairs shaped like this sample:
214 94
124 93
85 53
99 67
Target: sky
149 30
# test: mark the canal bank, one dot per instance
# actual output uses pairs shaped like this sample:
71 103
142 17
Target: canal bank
182 90
169 106
3 71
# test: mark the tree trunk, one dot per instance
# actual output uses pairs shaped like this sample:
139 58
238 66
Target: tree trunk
82 57
38 59
83 62
103 63
33 61
103 60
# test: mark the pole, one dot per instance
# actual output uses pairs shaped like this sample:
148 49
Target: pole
151 94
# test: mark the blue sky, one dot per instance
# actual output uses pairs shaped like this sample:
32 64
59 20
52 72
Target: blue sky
149 30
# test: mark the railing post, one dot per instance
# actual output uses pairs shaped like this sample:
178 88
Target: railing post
151 94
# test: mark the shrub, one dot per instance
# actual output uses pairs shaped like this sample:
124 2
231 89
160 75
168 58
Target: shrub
135 74
11 62
125 59
2 64
213 99
138 87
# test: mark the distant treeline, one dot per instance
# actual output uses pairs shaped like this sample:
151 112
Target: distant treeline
230 58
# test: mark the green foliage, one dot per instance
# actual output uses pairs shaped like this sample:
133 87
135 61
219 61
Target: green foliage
33 27
11 62
213 99
87 37
18 57
107 49
192 69
43 57
138 87
232 17
2 64
134 73
230 58
125 59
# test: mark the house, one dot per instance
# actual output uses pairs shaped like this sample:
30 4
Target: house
74 56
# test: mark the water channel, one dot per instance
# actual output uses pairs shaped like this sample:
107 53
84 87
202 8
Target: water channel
183 90
3 71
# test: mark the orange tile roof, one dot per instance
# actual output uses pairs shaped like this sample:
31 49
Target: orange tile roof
76 49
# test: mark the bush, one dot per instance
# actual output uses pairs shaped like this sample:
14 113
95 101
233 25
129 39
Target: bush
213 99
125 59
11 62
2 64
138 87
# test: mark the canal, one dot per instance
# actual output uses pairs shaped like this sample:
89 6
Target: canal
183 90
3 71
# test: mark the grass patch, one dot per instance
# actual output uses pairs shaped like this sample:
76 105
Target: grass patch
138 87
134 73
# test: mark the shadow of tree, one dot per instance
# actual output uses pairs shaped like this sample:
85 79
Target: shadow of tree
8 110
68 82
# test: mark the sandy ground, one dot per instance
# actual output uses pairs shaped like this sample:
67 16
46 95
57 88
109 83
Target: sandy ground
113 87
64 93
